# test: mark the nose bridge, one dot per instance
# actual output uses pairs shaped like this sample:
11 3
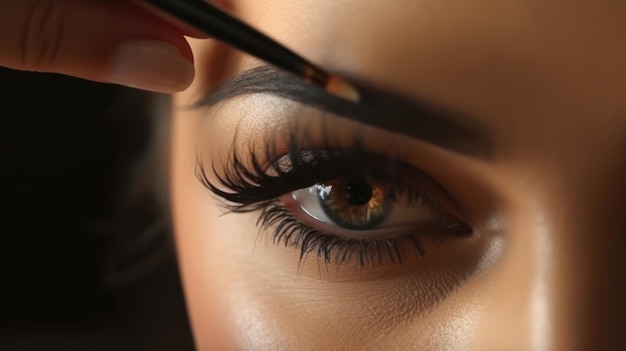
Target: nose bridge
585 279
561 281
578 275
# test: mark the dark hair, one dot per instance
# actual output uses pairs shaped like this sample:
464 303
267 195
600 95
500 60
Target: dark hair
137 233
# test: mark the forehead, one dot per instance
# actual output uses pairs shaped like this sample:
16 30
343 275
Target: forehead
511 62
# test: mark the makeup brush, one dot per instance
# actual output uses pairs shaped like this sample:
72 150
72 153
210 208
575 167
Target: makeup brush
218 24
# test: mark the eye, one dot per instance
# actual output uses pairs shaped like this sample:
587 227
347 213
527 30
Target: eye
350 204
342 205
369 204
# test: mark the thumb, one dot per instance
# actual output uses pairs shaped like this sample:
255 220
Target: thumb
101 40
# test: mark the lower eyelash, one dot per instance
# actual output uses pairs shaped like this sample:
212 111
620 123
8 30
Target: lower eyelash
330 249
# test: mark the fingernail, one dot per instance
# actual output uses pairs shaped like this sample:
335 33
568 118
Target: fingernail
151 65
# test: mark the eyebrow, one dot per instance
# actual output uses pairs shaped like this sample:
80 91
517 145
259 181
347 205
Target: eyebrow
433 124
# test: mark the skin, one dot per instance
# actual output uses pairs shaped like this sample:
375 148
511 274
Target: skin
543 268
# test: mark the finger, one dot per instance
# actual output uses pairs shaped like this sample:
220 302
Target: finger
100 40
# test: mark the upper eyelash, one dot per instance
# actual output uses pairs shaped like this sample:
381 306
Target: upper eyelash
250 186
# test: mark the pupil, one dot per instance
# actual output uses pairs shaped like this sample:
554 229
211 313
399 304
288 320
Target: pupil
358 193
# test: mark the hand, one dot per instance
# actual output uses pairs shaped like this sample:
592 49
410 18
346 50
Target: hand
109 41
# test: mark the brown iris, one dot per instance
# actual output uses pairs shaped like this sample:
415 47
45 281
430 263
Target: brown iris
355 203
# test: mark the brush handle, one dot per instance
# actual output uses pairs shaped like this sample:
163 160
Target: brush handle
219 24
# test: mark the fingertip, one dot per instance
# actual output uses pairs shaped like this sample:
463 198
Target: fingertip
150 65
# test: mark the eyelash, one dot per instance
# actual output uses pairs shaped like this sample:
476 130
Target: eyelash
254 187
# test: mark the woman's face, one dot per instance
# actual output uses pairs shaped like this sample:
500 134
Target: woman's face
496 222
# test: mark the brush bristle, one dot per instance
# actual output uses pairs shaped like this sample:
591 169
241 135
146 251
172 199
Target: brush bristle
339 87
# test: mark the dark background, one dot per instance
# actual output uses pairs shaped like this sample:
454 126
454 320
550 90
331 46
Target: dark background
67 225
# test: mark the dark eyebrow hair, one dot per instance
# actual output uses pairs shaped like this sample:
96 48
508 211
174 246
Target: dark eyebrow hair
385 110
